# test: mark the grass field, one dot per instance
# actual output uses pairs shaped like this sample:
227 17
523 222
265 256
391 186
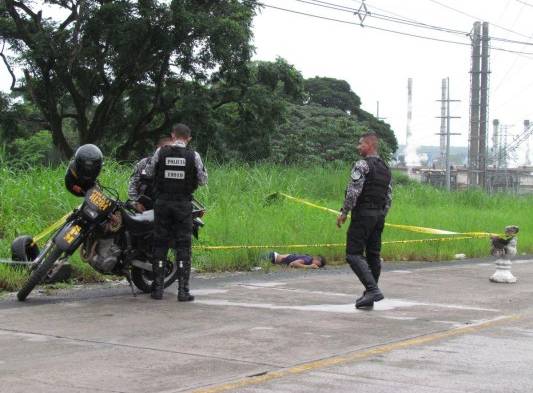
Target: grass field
239 215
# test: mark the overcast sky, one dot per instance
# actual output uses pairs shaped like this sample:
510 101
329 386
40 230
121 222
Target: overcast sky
377 64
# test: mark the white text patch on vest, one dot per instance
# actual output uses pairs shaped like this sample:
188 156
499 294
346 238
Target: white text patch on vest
175 161
174 174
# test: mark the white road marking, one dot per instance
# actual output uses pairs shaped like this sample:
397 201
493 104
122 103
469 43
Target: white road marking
384 305
255 285
207 291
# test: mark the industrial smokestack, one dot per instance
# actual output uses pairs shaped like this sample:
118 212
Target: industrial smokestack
527 161
409 110
496 141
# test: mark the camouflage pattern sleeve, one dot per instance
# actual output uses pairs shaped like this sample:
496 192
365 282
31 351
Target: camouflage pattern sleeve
355 186
150 168
201 172
134 183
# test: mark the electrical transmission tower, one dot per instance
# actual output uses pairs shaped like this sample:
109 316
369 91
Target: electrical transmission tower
448 132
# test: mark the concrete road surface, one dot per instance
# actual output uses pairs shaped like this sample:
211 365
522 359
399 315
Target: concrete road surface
443 327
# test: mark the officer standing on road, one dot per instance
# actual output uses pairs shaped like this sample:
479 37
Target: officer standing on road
140 186
368 197
177 172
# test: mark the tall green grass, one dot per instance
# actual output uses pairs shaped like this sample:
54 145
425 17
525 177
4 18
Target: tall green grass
237 214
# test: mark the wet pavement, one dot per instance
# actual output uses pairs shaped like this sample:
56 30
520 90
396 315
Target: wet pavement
443 327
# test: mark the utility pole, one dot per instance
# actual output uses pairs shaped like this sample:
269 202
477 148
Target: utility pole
443 125
448 133
473 149
483 106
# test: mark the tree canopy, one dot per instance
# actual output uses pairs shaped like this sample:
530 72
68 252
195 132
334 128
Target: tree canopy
121 65
332 93
119 73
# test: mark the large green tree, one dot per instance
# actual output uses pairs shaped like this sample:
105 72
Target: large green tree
332 93
337 93
117 68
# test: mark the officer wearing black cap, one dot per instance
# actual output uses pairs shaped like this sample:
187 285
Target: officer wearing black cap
368 197
177 172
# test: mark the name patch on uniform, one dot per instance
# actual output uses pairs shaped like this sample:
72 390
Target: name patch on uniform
175 161
174 174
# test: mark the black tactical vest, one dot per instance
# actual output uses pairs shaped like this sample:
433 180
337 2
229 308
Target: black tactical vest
175 177
377 182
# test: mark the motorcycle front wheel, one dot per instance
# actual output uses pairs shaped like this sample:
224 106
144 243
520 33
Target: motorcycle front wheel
143 279
45 261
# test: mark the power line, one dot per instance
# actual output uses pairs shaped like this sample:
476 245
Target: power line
523 2
366 26
387 30
475 17
409 22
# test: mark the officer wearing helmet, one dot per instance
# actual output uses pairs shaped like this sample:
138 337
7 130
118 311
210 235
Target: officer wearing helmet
177 171
84 169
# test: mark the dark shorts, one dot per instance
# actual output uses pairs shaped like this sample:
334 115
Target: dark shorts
307 259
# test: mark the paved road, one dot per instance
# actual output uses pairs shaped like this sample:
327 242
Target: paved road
443 327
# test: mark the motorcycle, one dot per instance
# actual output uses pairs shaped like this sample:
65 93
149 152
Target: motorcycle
112 237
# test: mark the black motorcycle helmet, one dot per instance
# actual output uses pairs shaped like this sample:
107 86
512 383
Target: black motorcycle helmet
88 161
83 169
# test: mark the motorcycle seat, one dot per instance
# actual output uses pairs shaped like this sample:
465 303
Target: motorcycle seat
139 222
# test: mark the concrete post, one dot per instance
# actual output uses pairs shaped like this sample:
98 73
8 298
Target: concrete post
504 249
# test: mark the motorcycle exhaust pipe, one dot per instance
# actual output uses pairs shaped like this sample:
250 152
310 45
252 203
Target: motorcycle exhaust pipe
142 265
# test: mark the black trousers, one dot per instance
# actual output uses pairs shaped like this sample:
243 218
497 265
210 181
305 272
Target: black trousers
173 228
364 236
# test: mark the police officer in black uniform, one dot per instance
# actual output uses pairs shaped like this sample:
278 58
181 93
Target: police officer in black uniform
368 197
177 172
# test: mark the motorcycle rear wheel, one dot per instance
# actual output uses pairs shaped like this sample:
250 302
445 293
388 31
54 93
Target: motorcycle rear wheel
50 254
143 278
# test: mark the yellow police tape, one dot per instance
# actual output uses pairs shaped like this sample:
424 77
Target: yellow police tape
51 228
410 228
326 245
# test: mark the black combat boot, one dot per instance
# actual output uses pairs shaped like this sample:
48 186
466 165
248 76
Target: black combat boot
372 293
184 273
158 284
376 272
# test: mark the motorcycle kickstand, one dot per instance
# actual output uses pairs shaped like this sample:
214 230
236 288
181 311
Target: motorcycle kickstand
128 277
